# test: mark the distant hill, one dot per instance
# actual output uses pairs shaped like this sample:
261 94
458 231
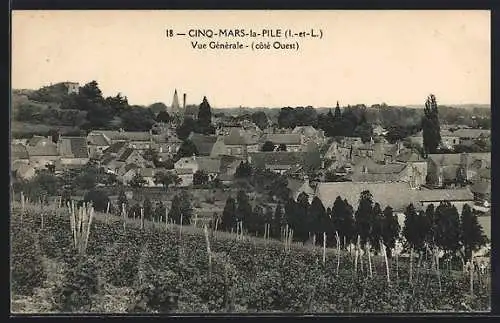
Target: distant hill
471 106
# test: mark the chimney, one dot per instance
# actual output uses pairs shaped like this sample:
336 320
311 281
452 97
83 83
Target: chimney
306 180
440 176
184 102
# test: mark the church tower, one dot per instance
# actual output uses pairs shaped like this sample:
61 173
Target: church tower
174 108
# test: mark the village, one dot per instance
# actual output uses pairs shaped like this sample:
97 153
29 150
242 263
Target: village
148 164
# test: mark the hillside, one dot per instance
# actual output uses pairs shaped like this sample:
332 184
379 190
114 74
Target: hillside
126 269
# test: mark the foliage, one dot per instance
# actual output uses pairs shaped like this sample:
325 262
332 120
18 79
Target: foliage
98 198
186 149
260 119
243 208
390 229
79 285
27 270
229 214
204 120
137 181
166 179
268 146
430 125
471 232
244 170
200 178
163 116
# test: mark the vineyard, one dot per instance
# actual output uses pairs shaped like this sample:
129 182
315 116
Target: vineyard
166 268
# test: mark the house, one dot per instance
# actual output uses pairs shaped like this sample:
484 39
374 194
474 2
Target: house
39 141
457 197
285 161
417 166
239 143
185 175
73 150
42 153
298 186
467 136
449 141
210 166
444 168
136 139
292 141
166 144
97 144
394 194
366 170
19 153
310 134
219 148
203 143
115 162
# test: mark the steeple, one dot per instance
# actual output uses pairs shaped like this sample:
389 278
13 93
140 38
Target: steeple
175 103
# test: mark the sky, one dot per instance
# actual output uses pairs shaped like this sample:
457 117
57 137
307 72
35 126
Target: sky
364 57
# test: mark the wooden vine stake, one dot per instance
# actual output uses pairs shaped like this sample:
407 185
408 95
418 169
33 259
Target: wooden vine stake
180 229
369 260
142 218
471 269
107 212
166 219
411 265
205 229
384 251
23 205
124 215
324 248
338 251
356 257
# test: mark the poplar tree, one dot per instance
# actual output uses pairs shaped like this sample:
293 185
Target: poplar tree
472 233
430 126
229 214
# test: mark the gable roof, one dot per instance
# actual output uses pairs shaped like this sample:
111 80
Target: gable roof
209 165
18 151
124 135
75 147
409 156
454 159
48 150
466 133
203 143
97 140
35 140
284 138
276 158
125 155
147 172
436 195
238 136
305 130
397 195
116 147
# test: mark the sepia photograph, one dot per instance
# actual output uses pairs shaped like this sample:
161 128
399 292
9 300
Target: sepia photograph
250 162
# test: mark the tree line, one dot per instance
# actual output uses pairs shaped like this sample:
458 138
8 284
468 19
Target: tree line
437 227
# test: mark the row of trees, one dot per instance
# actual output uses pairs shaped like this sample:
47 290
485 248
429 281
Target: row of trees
439 227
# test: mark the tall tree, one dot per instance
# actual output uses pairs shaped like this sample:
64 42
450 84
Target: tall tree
364 216
122 199
186 149
229 214
148 209
318 220
175 210
163 116
430 126
159 211
268 146
447 228
414 237
137 181
200 178
260 119
472 233
204 116
279 221
303 222
244 170
186 207
243 208
390 230
377 227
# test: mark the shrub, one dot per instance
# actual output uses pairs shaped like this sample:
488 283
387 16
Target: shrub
78 287
27 271
98 198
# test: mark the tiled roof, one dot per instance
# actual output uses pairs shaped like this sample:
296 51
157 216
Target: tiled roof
284 138
203 143
209 165
409 156
482 187
124 135
97 140
16 164
125 155
239 137
397 195
36 139
466 133
454 159
219 148
147 172
18 151
373 178
23 169
305 130
75 147
47 150
182 171
306 159
426 195
115 148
